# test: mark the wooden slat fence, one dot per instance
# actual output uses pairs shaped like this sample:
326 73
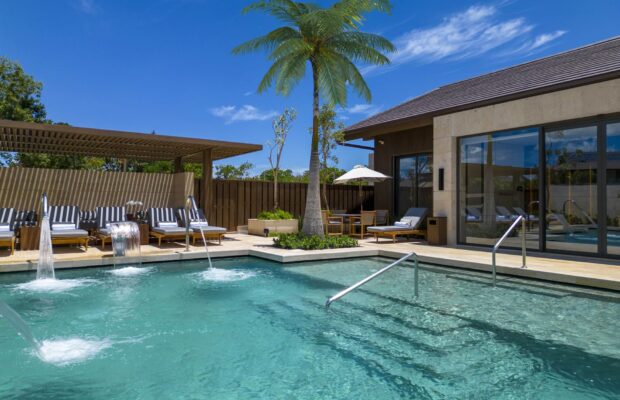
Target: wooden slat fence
234 202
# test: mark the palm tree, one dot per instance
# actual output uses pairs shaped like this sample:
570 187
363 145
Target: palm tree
330 40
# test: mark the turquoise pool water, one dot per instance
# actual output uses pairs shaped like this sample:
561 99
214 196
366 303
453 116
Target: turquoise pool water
259 330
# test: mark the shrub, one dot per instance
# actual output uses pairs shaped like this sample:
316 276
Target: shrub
275 214
304 242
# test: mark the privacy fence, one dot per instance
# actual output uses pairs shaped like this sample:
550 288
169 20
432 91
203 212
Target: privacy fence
234 202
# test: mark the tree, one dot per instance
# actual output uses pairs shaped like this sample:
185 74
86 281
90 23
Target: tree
330 134
330 41
284 176
231 172
20 94
281 126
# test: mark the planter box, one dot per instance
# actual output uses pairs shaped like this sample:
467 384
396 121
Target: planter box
258 226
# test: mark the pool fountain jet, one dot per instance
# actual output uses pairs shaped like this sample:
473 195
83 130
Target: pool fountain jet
126 248
45 265
190 203
59 352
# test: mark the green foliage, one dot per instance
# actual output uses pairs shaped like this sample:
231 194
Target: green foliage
277 214
306 242
284 176
228 171
20 94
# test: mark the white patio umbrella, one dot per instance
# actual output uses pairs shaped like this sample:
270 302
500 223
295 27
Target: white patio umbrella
361 174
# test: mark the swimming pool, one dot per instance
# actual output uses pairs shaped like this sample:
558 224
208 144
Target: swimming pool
254 329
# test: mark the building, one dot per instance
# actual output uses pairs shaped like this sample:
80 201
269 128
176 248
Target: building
540 139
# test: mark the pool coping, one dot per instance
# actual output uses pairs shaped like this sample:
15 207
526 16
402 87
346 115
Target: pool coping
292 256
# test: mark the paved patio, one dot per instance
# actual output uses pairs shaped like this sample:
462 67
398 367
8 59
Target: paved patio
591 272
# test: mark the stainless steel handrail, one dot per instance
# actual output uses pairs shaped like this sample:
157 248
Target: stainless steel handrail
371 277
521 219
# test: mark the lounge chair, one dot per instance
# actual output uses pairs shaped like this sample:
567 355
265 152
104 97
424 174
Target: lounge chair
503 214
104 216
7 233
330 222
64 224
473 214
163 225
198 221
528 217
409 224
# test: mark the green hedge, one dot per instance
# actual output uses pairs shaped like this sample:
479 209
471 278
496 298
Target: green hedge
275 214
304 242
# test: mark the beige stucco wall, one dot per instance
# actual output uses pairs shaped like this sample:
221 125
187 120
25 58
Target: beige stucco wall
581 102
21 188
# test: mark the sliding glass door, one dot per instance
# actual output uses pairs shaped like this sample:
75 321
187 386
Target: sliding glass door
414 183
571 160
498 182
612 139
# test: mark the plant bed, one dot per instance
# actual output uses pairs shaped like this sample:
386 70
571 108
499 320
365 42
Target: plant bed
276 221
305 242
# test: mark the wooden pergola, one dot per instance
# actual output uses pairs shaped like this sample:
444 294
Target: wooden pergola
30 137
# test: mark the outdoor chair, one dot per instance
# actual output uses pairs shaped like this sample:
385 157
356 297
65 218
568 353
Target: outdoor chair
88 220
504 214
332 221
64 224
198 221
163 225
7 233
104 216
473 214
366 219
409 224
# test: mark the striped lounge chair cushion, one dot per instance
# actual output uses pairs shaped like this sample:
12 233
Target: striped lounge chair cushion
196 217
159 215
107 215
7 217
24 218
62 215
89 216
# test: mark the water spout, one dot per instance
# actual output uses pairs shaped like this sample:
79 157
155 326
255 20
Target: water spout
191 202
45 265
20 325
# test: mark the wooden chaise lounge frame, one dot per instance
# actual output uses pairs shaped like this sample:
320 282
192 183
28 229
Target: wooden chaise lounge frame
385 231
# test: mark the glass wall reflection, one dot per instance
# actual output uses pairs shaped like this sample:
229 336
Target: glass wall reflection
613 188
571 189
498 181
414 186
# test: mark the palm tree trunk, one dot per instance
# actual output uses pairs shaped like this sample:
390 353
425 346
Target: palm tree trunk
313 223
325 202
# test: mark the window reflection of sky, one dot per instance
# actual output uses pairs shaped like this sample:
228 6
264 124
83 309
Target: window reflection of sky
517 148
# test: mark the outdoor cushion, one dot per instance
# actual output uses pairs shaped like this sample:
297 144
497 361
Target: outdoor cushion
4 228
388 228
69 233
6 234
167 225
203 224
63 226
105 231
177 230
211 229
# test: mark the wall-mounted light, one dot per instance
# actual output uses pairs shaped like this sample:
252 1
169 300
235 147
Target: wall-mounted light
381 142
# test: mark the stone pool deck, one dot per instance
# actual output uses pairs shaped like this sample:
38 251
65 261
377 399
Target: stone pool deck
591 272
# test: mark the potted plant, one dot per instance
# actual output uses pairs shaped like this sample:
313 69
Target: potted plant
276 221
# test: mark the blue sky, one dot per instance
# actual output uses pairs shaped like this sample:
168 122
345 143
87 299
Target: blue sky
166 65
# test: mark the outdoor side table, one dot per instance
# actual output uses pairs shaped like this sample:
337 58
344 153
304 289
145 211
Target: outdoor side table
29 237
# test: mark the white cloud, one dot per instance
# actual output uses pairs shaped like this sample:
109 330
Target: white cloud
246 94
364 109
470 33
244 113
540 41
87 6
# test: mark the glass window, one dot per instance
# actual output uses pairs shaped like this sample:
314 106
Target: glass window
571 166
414 183
498 181
613 188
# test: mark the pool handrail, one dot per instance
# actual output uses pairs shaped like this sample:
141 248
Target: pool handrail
346 291
521 219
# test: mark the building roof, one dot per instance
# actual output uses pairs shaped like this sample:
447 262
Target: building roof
588 64
31 137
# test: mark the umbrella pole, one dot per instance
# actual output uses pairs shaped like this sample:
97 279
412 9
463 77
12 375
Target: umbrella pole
360 196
